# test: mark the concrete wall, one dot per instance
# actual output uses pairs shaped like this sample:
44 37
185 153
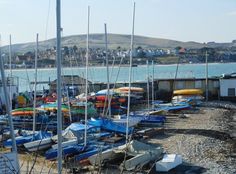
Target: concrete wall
225 84
166 87
163 88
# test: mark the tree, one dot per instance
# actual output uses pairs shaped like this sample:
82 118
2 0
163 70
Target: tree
66 51
75 48
118 48
139 48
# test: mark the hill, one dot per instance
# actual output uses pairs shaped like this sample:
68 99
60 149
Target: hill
114 40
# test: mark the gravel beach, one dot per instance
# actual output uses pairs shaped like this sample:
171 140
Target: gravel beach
203 139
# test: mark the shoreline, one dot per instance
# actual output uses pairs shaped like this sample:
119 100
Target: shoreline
125 65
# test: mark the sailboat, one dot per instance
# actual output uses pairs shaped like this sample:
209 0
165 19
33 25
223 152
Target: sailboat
42 139
73 137
134 152
69 149
27 137
14 161
39 141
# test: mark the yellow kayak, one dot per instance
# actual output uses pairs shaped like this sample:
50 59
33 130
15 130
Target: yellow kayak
132 89
188 92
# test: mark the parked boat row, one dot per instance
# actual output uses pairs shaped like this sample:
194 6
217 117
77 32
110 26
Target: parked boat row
98 149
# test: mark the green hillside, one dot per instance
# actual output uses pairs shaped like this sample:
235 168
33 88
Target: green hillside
114 40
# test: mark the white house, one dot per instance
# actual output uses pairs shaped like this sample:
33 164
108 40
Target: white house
228 88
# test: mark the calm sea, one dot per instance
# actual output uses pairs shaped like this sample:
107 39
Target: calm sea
140 73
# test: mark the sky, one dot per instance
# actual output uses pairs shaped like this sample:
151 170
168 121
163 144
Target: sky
183 20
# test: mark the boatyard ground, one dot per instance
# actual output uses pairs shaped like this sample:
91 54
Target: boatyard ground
205 137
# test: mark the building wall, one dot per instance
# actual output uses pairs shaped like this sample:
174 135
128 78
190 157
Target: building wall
165 87
225 84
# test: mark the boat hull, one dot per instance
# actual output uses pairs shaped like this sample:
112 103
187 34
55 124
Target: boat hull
38 145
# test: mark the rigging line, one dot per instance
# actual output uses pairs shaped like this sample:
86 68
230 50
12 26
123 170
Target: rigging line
9 167
106 103
72 76
37 152
44 163
76 66
130 74
92 74
81 72
67 92
112 67
176 72
118 72
110 97
51 167
47 20
6 93
28 79
127 136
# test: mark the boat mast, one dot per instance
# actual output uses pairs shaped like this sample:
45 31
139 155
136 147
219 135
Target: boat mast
108 82
86 85
35 82
59 115
10 64
153 83
206 76
148 91
8 109
130 71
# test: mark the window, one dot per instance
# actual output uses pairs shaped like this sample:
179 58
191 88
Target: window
179 85
231 92
215 84
198 84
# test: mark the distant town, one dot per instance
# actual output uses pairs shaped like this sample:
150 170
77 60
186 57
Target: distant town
74 56
161 51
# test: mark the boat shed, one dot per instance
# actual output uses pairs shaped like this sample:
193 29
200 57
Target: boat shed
163 88
228 87
72 83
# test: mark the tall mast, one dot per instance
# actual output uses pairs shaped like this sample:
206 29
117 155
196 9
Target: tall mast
10 64
130 71
8 109
86 85
148 99
59 115
206 76
35 81
153 83
108 82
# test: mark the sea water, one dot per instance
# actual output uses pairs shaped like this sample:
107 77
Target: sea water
139 73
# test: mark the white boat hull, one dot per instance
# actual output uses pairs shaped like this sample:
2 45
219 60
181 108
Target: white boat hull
66 143
133 121
141 152
38 145
168 162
